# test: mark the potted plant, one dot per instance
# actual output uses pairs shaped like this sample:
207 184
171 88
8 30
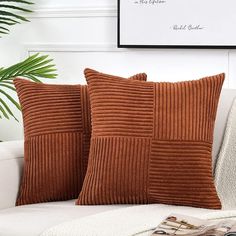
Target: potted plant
34 68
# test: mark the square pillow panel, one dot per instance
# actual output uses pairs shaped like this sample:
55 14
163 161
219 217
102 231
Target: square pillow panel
57 131
151 142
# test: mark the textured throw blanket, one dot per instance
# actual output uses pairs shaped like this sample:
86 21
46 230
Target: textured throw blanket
141 220
225 174
131 221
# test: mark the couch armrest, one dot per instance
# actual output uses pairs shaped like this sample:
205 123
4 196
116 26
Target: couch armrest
11 162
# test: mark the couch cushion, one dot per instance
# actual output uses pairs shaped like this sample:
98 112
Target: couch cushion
226 98
11 162
57 137
225 176
151 142
31 220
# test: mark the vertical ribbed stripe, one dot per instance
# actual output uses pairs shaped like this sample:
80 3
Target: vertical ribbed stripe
57 173
53 125
123 109
85 109
186 112
57 125
119 186
181 174
86 117
154 138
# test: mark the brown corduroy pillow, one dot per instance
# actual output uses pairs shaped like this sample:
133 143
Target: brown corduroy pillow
151 142
57 132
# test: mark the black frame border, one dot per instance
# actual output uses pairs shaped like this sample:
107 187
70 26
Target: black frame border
119 45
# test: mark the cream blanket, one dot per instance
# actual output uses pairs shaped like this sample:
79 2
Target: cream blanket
132 221
225 173
141 220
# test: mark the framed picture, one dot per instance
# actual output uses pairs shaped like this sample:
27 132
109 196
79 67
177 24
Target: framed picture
177 23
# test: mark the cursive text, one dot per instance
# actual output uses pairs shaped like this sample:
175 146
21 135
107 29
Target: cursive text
149 2
187 27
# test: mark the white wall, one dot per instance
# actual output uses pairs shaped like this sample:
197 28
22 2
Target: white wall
79 34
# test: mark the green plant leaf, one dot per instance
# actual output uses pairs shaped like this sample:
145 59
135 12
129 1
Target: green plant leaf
10 13
17 1
34 68
7 19
8 109
44 69
4 113
32 61
7 82
6 13
38 65
33 78
23 67
6 23
14 8
46 76
3 28
7 86
3 32
12 100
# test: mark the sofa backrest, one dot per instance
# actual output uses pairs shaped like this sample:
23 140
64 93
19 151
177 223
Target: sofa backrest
11 163
11 153
225 103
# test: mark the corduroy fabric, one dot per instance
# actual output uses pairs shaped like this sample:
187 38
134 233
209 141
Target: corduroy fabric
151 142
57 130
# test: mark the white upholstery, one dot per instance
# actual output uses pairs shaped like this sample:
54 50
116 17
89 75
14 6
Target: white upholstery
226 100
11 162
139 220
225 173
32 219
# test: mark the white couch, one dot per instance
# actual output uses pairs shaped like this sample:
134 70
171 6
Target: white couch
31 220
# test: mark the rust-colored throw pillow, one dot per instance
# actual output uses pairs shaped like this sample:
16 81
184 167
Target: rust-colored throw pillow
151 142
57 137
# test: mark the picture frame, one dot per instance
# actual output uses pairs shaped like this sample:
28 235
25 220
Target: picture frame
176 24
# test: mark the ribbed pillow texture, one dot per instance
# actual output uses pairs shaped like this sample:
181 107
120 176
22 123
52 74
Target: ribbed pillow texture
151 142
57 130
